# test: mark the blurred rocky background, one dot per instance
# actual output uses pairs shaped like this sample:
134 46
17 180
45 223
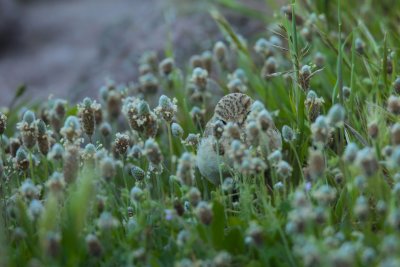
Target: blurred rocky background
66 48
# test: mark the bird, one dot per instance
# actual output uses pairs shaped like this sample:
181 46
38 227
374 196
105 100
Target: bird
231 108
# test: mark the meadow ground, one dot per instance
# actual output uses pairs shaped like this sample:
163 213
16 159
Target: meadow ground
281 148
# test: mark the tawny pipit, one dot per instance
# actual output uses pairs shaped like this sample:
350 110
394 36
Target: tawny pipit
213 151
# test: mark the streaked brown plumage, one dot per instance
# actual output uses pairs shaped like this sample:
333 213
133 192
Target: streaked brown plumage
232 108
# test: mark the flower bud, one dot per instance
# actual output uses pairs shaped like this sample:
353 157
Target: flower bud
200 78
15 144
393 105
93 245
368 256
166 66
28 129
275 157
367 161
324 195
107 168
395 134
387 151
350 153
56 152
107 221
288 134
113 101
178 207
262 47
72 129
316 163
346 92
319 60
166 108
320 130
265 120
98 113
35 209
105 129
185 171
254 234
396 85
86 114
153 152
361 208
53 244
206 58
29 190
252 133
3 123
138 173
176 130
359 46
136 194
381 207
42 137
220 52
204 213
192 140
222 259
283 169
270 67
71 164
21 161
236 86
237 152
228 185
313 104
135 152
232 131
89 154
194 196
198 116
121 143
306 33
373 129
196 62
241 75
336 115
287 11
56 183
305 76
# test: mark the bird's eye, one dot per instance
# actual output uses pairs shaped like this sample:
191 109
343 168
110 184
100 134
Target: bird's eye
224 122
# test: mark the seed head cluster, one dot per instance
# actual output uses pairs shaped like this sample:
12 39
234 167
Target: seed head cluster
282 151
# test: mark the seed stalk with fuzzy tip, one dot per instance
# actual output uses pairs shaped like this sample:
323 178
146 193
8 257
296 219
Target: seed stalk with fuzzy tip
87 116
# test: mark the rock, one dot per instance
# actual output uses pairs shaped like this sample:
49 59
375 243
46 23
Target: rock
9 21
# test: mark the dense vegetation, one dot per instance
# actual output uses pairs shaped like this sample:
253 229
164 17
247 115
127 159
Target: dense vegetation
115 181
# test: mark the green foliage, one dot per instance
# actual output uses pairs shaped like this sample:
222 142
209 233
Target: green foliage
312 201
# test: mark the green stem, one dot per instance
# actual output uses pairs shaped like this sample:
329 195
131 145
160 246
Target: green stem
269 210
340 60
297 159
1 148
340 77
31 165
160 186
124 178
219 165
295 59
205 186
220 176
171 149
46 167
